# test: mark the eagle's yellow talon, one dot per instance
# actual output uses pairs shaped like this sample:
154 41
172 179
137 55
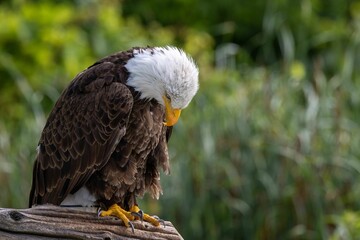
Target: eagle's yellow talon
127 216
146 217
116 211
152 220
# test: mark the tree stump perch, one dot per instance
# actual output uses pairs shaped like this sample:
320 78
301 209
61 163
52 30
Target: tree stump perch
53 222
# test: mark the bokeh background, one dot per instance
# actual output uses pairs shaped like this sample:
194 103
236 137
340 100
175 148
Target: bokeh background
269 147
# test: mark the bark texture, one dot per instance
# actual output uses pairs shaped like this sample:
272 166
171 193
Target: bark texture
53 222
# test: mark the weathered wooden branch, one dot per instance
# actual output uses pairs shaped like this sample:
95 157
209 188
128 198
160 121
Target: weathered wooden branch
52 222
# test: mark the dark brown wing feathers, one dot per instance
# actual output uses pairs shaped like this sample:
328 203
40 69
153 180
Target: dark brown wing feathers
81 133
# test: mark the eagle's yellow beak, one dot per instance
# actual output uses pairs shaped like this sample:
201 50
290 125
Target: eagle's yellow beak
171 115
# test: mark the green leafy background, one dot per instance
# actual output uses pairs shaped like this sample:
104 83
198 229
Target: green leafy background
268 148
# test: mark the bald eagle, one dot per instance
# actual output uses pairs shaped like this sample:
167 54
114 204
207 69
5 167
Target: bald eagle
105 140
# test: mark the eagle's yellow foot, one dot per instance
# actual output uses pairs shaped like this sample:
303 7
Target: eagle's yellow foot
116 211
140 215
133 214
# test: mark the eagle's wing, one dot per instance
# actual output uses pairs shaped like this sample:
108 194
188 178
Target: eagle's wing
87 122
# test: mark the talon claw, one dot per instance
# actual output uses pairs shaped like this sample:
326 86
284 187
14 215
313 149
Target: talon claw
132 227
159 220
163 222
139 214
99 211
135 214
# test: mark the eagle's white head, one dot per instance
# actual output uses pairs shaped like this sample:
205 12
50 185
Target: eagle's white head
166 74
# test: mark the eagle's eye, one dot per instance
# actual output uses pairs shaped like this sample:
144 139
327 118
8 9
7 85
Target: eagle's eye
168 96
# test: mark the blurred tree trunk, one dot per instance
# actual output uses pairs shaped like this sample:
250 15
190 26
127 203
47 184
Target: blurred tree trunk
53 222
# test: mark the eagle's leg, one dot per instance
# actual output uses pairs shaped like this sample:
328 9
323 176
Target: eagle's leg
135 210
116 211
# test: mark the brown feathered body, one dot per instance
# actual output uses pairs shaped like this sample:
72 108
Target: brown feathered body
102 136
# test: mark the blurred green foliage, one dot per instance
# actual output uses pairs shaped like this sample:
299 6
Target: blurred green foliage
268 149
